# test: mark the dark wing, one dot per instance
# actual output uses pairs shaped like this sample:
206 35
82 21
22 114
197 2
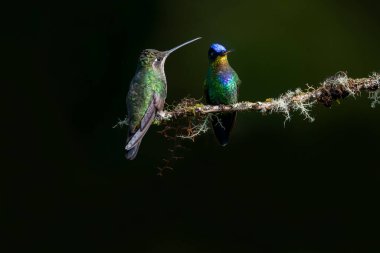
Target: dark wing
205 92
136 136
157 104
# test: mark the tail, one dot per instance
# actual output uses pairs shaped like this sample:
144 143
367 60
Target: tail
133 143
135 137
222 125
132 153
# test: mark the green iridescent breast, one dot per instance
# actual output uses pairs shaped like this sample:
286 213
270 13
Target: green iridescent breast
221 85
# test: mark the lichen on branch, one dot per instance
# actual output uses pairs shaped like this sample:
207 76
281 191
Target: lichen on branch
189 118
334 88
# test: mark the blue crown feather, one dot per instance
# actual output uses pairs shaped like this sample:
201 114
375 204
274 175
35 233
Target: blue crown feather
218 48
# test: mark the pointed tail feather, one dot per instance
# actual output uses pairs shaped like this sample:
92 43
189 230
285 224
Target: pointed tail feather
135 138
132 153
222 125
134 142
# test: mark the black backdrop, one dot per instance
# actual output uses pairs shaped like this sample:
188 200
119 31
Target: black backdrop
305 187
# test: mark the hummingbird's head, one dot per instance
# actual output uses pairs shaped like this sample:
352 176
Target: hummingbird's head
152 58
156 59
217 52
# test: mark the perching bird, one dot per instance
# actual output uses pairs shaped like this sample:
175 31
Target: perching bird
146 95
221 87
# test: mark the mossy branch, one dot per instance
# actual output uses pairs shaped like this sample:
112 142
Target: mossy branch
192 116
334 88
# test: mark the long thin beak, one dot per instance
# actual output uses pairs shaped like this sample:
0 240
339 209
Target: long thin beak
184 44
228 51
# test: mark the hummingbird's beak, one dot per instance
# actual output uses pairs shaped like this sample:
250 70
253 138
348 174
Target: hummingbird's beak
228 51
184 44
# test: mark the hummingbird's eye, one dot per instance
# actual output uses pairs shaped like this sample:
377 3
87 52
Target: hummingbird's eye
159 59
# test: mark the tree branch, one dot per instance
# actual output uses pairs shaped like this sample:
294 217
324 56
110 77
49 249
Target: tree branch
334 88
189 118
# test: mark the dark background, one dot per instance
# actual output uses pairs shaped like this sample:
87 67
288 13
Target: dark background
308 187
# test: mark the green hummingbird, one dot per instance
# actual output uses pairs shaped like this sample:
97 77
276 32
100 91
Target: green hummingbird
221 87
146 95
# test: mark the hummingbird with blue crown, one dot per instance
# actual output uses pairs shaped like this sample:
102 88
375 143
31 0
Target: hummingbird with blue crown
221 88
146 95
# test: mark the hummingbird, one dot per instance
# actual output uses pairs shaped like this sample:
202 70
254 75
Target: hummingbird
221 87
146 95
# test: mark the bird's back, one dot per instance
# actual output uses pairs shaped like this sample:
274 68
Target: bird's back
143 86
